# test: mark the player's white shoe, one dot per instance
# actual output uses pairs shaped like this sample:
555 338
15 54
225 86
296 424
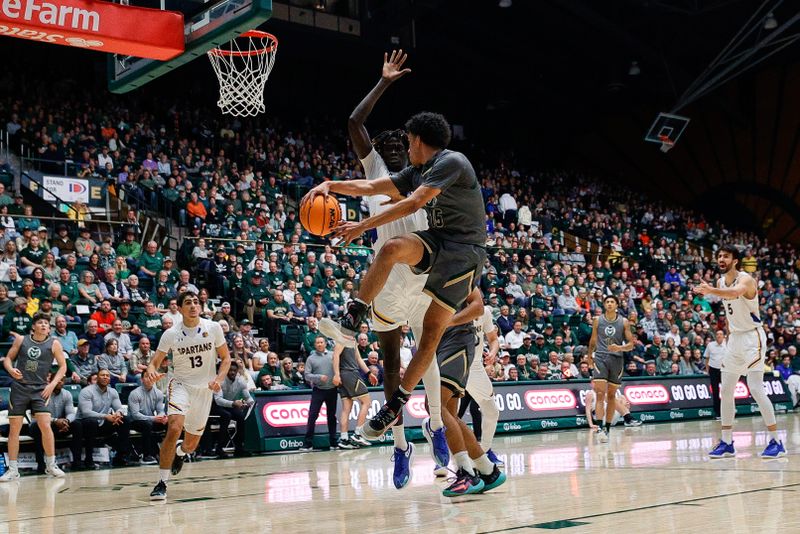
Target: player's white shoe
54 471
602 436
10 475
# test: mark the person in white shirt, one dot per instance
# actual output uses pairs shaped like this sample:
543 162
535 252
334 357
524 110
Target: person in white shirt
715 352
515 337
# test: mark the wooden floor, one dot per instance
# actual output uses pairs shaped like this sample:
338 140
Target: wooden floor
656 478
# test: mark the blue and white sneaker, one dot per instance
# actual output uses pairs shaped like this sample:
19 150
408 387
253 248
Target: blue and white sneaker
774 450
437 441
440 470
723 450
402 466
494 459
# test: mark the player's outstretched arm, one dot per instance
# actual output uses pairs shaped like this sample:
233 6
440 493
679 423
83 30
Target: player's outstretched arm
337 357
392 70
155 364
355 188
592 344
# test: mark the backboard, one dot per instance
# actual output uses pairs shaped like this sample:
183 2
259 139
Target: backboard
666 128
207 24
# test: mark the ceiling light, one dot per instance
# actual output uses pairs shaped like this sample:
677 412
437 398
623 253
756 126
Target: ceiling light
634 70
504 3
770 23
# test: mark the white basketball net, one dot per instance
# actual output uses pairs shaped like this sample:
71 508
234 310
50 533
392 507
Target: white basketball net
242 70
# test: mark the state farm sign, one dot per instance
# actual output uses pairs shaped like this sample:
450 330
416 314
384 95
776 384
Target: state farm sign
647 394
550 399
110 27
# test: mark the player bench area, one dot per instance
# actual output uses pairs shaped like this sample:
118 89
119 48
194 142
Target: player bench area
124 390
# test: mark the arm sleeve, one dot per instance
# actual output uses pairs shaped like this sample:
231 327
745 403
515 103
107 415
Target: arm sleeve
402 180
115 402
86 407
135 408
444 172
309 375
69 408
222 401
219 335
167 339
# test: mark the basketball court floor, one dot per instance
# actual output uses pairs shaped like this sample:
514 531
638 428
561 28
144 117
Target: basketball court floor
656 478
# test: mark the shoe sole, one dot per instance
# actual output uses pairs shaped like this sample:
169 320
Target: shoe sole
719 457
499 482
779 455
365 430
440 474
331 329
158 498
471 491
364 443
53 475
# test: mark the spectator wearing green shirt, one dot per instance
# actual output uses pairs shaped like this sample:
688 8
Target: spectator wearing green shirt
256 296
151 261
32 256
332 296
308 289
130 248
17 322
69 290
150 322
278 314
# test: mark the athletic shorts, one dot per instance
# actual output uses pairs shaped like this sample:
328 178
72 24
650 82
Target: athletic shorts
24 397
478 384
747 351
608 368
454 356
400 301
192 402
352 385
453 269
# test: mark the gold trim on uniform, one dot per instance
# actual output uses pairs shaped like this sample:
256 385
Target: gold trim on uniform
439 301
382 318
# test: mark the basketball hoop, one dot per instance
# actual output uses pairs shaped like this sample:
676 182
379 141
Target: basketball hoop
666 143
242 70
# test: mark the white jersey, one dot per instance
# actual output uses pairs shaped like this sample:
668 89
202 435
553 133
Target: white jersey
194 351
484 325
742 313
374 168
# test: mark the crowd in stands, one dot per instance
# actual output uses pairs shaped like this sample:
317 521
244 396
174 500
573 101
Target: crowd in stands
234 186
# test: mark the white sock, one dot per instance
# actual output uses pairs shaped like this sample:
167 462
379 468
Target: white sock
164 474
12 464
463 461
49 461
179 451
484 465
343 436
727 435
399 433
773 434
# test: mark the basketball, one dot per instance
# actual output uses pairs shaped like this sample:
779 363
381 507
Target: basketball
321 215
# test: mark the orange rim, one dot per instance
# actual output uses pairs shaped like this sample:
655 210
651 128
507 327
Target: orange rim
252 33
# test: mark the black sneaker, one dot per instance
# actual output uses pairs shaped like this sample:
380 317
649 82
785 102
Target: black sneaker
159 493
177 464
222 455
492 480
378 425
345 330
149 460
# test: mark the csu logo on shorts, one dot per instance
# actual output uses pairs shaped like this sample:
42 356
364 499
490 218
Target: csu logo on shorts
610 330
34 353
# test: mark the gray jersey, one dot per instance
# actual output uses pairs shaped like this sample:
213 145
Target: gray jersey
610 333
347 360
457 214
34 360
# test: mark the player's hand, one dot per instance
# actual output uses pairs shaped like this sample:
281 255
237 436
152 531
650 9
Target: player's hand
214 386
323 189
238 404
16 374
594 427
153 375
373 379
337 380
347 231
48 391
393 66
615 348
323 379
702 288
